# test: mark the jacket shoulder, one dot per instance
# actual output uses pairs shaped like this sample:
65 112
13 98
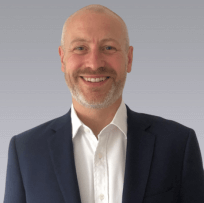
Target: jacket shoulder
42 129
162 126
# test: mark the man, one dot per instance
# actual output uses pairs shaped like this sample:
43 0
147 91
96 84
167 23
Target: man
101 151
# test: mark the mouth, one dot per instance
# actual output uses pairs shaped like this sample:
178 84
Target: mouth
95 81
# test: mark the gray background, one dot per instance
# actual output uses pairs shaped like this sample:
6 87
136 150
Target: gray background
167 72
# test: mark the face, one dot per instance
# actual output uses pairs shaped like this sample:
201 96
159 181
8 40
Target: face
88 55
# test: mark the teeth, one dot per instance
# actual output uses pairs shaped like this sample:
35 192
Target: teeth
95 79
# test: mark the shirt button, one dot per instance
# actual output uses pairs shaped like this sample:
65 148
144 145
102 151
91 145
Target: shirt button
100 155
101 196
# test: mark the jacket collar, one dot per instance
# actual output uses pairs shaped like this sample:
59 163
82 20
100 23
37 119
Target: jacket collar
140 146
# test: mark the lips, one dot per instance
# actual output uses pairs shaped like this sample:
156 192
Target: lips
95 84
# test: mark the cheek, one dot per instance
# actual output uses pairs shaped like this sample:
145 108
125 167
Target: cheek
119 65
72 64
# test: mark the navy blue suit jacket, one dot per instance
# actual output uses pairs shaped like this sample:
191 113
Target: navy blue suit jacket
163 163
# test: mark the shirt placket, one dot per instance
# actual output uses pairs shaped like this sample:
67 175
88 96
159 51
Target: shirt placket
100 170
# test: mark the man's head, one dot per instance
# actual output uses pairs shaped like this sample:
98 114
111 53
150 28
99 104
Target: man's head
95 57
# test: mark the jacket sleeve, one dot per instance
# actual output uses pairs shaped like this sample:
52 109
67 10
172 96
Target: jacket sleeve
14 190
192 186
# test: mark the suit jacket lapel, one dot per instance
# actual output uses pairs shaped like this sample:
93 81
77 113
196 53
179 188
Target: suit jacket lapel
140 146
62 156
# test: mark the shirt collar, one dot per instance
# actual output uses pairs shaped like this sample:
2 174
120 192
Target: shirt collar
119 120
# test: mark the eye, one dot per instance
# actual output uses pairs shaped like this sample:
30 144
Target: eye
79 47
109 47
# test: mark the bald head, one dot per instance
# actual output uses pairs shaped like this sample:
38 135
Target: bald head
99 9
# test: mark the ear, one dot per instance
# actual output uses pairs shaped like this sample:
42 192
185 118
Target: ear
130 59
61 53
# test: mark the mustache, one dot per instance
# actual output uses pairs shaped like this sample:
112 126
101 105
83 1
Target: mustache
99 71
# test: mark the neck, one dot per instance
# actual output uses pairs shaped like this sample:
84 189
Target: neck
96 119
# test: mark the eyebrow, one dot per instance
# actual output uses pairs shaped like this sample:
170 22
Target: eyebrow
102 41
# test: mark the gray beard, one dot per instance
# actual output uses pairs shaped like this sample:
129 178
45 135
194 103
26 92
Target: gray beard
112 96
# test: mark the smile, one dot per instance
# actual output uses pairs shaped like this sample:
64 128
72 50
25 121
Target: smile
95 79
94 82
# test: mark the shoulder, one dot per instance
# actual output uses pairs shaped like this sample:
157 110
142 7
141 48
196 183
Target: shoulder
159 125
43 130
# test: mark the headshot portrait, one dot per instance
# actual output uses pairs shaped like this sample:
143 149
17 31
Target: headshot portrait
118 138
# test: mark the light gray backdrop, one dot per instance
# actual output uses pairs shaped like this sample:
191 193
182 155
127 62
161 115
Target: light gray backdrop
167 77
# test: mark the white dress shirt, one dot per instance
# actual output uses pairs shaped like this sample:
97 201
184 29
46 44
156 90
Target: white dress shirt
100 164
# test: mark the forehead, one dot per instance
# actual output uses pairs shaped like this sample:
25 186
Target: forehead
94 26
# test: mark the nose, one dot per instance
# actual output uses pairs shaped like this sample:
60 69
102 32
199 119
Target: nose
95 59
